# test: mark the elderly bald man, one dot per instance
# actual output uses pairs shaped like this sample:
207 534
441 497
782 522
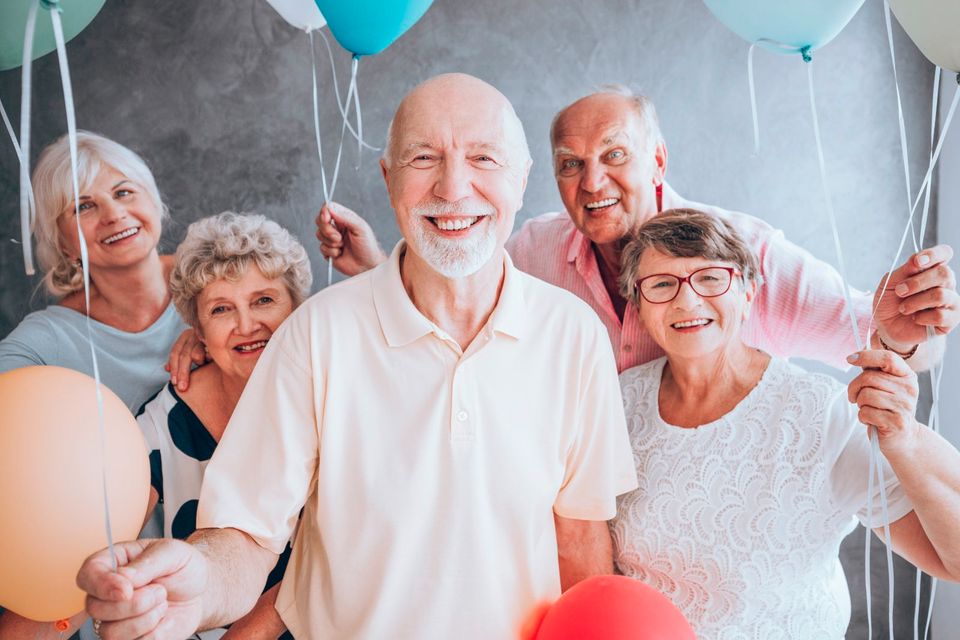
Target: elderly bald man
610 163
450 427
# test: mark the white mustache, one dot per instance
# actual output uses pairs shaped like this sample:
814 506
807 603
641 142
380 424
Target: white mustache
465 207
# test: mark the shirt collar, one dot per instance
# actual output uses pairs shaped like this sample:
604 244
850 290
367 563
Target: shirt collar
402 323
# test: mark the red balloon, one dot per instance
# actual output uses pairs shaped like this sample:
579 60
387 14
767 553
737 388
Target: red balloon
614 608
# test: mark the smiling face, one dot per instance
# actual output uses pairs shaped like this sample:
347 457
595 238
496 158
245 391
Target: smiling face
692 326
237 317
120 222
607 170
456 170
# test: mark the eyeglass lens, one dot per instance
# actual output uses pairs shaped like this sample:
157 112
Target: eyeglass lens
709 282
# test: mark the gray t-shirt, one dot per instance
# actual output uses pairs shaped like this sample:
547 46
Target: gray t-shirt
131 364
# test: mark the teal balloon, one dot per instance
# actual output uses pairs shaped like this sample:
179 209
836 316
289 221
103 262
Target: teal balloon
366 27
798 24
75 16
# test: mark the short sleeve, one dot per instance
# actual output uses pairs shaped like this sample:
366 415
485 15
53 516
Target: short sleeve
599 464
849 477
30 343
265 464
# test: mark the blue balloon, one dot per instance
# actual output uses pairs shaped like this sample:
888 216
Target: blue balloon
785 26
366 27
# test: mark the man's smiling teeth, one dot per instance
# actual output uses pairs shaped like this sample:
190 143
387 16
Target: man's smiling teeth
252 346
454 224
120 236
599 204
699 322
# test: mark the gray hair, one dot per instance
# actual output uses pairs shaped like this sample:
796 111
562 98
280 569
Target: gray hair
642 105
685 233
53 190
223 247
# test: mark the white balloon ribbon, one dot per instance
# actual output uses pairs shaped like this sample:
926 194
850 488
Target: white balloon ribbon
352 99
54 8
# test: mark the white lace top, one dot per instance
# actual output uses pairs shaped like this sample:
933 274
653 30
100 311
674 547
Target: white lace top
739 521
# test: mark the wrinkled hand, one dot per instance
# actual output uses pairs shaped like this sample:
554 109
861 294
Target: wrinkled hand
921 293
886 392
155 593
347 239
187 351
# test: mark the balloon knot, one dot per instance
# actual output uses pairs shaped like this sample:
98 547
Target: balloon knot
51 5
805 53
61 625
356 57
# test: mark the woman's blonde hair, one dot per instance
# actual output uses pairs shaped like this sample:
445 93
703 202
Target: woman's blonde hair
223 247
53 190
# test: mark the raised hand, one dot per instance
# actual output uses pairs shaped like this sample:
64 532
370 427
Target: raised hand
347 239
921 293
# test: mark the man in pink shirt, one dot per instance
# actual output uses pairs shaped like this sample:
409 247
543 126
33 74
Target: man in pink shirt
610 163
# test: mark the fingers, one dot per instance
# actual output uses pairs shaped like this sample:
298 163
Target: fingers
99 580
921 261
882 359
142 601
136 626
873 379
885 421
327 232
940 275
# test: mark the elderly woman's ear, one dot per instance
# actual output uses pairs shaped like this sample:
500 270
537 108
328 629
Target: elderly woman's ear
750 292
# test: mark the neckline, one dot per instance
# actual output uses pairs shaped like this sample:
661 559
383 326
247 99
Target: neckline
82 317
773 365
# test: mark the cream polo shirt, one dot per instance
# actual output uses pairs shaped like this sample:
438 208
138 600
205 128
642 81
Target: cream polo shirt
428 476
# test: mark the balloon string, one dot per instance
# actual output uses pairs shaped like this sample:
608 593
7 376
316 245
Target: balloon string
933 130
753 100
336 90
84 258
316 118
903 129
356 104
923 187
26 221
26 215
831 214
343 129
933 595
877 455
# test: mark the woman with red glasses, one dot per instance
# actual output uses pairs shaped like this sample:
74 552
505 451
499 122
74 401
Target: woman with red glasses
752 470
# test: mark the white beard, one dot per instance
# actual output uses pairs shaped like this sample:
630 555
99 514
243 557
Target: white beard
456 258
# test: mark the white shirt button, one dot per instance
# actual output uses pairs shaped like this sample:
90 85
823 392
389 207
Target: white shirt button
462 416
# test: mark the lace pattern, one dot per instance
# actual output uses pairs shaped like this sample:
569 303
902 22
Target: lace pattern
734 520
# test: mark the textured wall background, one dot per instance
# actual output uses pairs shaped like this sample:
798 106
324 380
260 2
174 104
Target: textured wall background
216 96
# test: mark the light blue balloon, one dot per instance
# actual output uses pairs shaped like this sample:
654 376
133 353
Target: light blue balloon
798 24
76 15
366 27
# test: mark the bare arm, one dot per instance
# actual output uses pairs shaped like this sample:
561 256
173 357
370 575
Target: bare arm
584 549
927 466
262 623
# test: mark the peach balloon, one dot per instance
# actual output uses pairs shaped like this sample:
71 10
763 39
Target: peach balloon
51 491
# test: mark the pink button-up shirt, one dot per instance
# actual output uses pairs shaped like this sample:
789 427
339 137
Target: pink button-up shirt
799 310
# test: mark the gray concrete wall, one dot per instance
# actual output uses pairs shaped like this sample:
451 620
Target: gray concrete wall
216 96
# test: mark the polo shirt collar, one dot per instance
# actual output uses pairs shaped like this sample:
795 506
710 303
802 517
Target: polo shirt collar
402 323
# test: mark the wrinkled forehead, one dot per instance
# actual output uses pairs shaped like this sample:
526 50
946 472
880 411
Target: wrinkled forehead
583 128
477 126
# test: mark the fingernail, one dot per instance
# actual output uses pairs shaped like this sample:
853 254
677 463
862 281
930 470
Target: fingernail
923 259
173 379
853 357
902 308
902 289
